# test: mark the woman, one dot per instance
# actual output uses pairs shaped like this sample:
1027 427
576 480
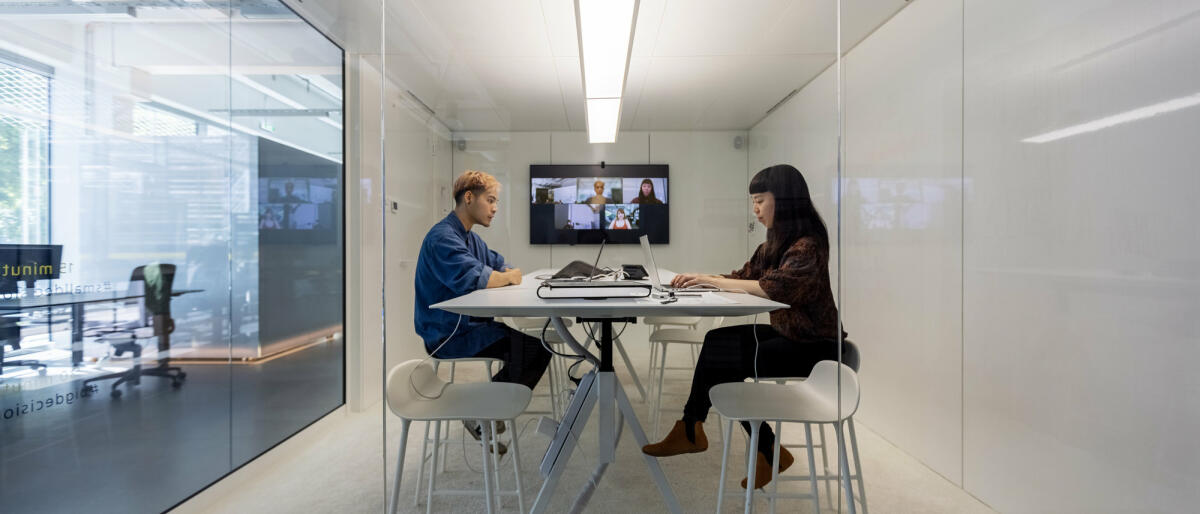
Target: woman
791 267
267 220
619 223
646 194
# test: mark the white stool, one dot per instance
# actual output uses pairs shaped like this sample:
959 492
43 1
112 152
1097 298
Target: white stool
441 434
807 442
815 400
654 323
664 337
416 393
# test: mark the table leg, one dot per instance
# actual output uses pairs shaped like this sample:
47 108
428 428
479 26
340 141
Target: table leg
656 472
564 442
162 330
76 334
598 393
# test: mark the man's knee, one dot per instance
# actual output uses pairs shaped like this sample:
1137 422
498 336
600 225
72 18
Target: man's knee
538 351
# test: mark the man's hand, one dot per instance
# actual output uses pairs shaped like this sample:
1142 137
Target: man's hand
510 276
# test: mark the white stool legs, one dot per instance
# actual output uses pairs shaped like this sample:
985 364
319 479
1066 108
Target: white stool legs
491 476
846 454
751 468
862 490
812 466
488 493
845 470
437 429
724 464
395 501
659 390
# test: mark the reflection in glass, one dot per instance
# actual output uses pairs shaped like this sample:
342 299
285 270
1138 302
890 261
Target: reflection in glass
176 172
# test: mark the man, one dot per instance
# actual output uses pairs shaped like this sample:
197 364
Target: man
455 261
598 201
291 203
599 198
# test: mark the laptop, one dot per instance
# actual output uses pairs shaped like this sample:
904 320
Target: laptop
652 268
590 288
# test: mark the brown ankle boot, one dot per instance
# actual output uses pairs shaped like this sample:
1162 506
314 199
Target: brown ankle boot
676 442
762 469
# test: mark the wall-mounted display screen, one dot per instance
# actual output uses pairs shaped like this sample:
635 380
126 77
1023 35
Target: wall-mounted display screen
297 204
299 196
588 203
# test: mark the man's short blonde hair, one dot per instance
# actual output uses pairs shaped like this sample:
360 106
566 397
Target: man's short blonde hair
477 182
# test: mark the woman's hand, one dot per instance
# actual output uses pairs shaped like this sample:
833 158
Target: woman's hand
693 279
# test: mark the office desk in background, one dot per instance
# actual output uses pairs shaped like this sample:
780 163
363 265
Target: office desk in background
77 301
522 301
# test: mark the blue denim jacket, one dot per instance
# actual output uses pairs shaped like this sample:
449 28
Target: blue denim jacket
452 263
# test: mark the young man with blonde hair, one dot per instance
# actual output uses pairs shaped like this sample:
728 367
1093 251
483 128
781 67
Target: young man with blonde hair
455 261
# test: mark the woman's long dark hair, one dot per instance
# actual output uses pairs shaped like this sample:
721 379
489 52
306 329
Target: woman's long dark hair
795 214
644 198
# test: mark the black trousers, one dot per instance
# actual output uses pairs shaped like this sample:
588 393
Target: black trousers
728 356
525 359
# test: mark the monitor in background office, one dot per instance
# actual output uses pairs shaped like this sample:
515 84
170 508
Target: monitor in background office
570 203
28 263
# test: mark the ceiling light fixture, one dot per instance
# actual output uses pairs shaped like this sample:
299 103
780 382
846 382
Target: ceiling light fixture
603 114
605 30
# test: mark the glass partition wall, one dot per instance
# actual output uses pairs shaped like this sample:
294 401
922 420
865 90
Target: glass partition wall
500 88
1018 253
171 231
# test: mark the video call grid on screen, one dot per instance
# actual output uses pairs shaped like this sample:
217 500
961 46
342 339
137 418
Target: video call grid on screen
586 204
297 203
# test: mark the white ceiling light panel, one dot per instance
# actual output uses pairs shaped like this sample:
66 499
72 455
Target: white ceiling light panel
605 36
603 114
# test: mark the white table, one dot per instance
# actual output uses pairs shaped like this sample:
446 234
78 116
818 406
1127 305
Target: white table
600 387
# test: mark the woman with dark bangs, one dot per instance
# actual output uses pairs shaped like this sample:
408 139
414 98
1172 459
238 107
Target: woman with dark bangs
646 194
791 267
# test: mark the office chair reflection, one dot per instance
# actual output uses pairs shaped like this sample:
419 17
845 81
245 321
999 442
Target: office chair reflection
10 335
152 286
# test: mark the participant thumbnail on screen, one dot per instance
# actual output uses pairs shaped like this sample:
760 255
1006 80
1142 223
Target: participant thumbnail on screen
286 190
576 217
644 191
621 216
553 190
598 190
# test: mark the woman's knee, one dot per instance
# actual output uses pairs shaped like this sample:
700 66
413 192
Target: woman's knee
722 347
724 335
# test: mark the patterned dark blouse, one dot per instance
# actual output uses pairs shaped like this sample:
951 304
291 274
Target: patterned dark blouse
801 281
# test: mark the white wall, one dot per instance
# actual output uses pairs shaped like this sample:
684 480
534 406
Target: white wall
1081 284
707 194
1026 310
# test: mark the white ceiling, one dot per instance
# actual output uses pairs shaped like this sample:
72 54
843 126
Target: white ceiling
696 65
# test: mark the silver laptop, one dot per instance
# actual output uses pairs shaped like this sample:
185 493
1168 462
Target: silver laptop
651 268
